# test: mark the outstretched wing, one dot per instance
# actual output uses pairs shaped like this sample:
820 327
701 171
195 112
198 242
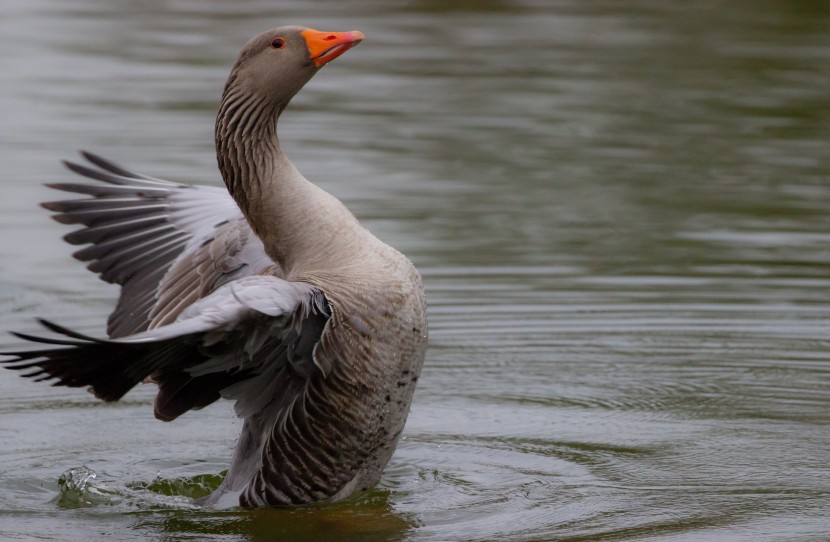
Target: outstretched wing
166 244
250 340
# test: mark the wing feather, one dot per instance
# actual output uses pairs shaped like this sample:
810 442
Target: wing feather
106 165
222 345
230 252
144 232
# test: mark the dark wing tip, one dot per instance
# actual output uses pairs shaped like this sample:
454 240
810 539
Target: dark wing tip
95 159
77 360
51 326
54 206
80 341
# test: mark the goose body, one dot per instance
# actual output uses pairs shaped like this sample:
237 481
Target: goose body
270 294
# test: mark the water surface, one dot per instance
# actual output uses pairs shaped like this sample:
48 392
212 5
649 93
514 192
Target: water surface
620 210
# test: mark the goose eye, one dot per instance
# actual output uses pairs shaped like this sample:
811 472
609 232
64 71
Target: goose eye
278 43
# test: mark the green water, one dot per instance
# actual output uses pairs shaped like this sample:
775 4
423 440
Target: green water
621 211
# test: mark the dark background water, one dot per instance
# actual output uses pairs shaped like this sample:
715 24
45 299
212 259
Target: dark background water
621 212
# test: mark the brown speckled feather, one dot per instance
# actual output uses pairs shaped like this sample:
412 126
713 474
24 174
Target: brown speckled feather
229 251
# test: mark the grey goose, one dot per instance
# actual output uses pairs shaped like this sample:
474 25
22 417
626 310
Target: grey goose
269 294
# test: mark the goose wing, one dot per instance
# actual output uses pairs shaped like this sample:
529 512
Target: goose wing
253 340
167 244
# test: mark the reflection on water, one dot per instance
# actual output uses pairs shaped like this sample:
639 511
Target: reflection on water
620 213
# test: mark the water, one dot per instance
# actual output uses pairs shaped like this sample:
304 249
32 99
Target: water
620 210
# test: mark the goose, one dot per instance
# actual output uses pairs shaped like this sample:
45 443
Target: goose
269 294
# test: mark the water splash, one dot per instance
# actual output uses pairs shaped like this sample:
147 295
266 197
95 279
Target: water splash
80 488
193 487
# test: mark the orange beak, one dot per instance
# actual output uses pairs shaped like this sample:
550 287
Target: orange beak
323 47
